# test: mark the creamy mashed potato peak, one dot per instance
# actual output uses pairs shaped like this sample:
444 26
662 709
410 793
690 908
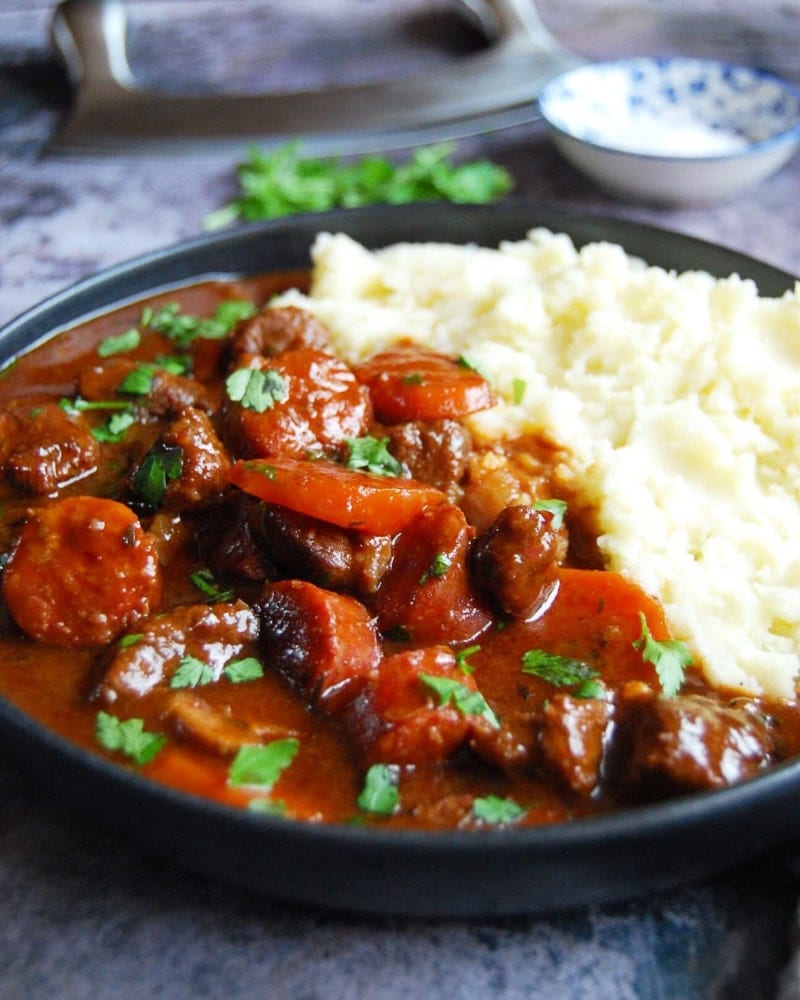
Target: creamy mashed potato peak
677 395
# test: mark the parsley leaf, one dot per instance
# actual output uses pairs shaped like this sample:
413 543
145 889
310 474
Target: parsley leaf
462 658
129 737
183 328
562 671
204 580
191 673
257 389
119 344
114 428
372 454
160 465
496 810
439 565
380 793
262 765
558 508
247 668
466 701
284 183
670 657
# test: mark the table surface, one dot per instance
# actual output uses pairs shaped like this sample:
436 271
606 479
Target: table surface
85 914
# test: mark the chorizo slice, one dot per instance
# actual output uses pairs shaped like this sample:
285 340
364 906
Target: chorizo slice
324 642
411 383
81 571
317 404
403 720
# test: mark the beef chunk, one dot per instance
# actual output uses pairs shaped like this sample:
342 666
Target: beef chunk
204 460
689 743
515 560
42 447
572 738
227 534
301 546
277 329
434 452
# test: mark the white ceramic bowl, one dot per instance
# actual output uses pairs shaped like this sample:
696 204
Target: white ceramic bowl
672 131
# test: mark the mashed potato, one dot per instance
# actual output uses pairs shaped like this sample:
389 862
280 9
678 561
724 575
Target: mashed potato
678 397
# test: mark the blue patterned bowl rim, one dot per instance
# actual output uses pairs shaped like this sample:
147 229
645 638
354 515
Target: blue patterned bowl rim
708 87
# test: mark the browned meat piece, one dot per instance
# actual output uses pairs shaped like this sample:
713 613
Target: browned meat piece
213 634
435 452
427 591
226 534
324 642
278 329
303 547
516 560
572 739
688 743
168 393
403 719
193 719
42 447
204 460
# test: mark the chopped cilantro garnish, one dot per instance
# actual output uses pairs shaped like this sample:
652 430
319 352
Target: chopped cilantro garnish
558 508
284 183
246 669
518 389
257 389
119 344
497 810
191 672
439 565
114 428
268 807
380 793
128 737
183 328
562 671
670 657
466 701
80 405
462 658
139 381
161 465
372 454
262 765
129 640
203 579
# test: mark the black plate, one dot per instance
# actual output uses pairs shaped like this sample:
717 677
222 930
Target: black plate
456 874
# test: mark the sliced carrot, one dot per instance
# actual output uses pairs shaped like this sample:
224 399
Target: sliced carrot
410 383
376 505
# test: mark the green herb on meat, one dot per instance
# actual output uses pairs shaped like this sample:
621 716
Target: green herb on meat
204 580
558 508
466 701
562 671
191 672
373 455
160 466
247 668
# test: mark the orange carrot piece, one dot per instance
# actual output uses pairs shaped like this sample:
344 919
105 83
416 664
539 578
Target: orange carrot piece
376 505
410 383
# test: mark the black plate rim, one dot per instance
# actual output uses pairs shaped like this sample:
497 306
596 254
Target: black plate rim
594 860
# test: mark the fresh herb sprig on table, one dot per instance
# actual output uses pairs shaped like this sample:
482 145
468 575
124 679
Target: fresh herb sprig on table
285 183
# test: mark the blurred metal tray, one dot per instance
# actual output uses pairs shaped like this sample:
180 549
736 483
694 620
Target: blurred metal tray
491 89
